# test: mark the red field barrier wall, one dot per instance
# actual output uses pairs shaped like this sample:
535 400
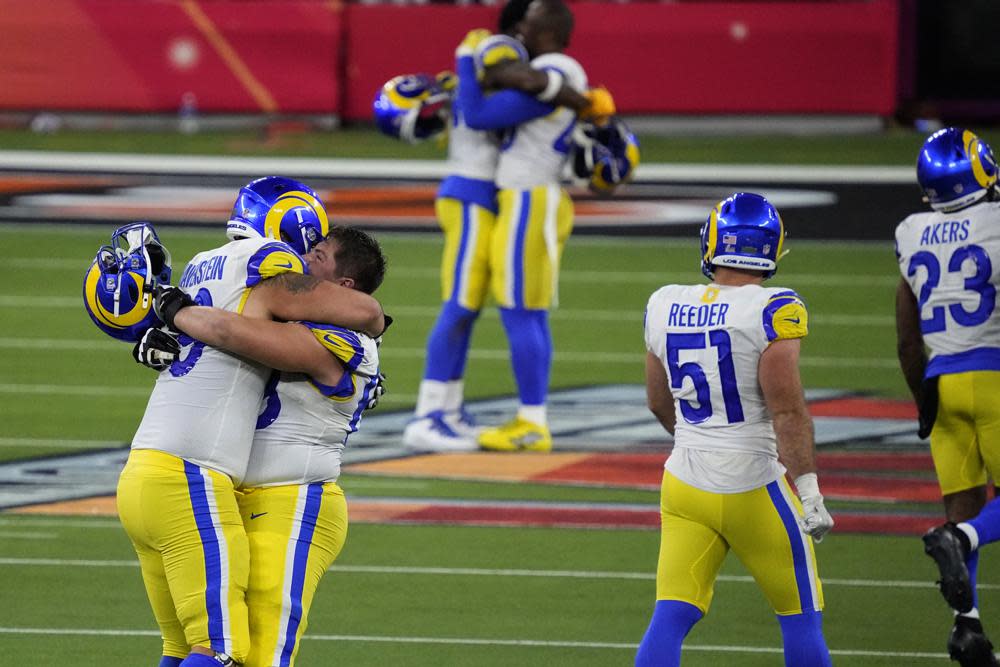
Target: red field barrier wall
143 55
319 56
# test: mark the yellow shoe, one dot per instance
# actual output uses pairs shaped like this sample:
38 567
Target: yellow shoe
518 435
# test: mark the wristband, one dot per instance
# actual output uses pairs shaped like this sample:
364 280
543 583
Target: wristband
552 87
807 485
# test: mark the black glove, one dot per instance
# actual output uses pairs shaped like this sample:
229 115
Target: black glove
928 407
157 349
168 301
377 392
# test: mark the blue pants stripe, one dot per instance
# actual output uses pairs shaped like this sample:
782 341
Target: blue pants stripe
799 556
519 234
457 282
310 514
213 557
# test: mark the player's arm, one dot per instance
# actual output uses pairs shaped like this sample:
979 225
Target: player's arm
284 346
778 375
909 340
659 399
293 296
503 109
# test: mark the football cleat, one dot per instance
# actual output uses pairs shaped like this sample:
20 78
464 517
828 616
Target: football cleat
118 286
431 433
275 207
743 231
463 423
968 644
518 435
955 168
605 155
412 107
944 545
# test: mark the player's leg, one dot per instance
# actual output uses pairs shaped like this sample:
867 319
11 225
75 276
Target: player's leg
961 445
532 228
763 529
154 578
295 534
189 516
440 420
691 553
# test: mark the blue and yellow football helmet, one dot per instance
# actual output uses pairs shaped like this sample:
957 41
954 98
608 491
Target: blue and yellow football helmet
605 155
955 168
743 231
413 107
279 208
118 287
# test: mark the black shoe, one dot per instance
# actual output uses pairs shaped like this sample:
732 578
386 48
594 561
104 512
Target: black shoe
945 546
969 646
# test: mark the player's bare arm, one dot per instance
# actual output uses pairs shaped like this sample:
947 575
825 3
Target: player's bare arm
284 346
909 341
778 374
293 296
658 397
527 79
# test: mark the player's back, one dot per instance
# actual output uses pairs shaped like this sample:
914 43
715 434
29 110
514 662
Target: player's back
952 263
533 153
204 407
304 425
710 339
471 153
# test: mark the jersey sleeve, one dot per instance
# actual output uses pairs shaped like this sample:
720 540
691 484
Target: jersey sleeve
785 316
272 259
505 108
354 350
571 70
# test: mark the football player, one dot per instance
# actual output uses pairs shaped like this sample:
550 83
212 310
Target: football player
466 208
293 511
948 334
722 376
534 214
176 494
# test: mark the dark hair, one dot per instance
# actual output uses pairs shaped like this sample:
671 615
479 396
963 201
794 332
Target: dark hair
559 19
511 15
358 256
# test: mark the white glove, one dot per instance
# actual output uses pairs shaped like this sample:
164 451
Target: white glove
377 392
815 520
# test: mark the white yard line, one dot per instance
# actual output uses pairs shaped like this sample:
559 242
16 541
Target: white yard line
493 572
471 641
503 355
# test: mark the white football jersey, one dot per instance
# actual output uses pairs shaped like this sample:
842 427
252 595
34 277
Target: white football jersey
471 153
204 407
710 339
304 425
952 263
534 152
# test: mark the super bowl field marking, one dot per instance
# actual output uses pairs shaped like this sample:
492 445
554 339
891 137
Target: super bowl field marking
472 641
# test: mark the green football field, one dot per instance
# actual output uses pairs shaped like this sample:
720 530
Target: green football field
445 595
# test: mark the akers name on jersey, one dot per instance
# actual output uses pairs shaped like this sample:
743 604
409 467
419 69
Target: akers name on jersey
949 260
